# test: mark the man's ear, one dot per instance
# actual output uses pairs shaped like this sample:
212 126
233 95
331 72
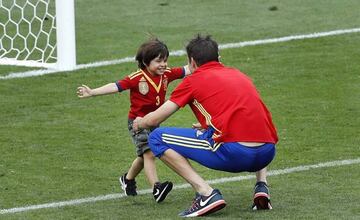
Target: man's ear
193 63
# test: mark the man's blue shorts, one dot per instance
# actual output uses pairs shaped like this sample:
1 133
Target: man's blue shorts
200 147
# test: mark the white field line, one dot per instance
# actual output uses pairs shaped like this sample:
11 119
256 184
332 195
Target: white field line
148 191
182 52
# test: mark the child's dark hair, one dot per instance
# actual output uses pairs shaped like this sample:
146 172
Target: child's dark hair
150 50
202 49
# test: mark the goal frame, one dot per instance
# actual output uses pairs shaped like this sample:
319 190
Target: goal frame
65 44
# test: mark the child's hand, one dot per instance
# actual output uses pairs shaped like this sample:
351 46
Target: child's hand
136 122
83 91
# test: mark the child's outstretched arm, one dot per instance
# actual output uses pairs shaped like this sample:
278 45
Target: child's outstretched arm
84 91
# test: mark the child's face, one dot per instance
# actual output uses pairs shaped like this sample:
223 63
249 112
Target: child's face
157 66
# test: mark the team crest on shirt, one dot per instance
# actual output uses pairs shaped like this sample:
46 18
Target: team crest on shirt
143 86
165 82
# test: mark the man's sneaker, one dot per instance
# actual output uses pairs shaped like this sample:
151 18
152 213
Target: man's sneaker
204 205
261 197
129 186
161 190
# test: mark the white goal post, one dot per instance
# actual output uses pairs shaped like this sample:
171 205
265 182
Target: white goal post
38 33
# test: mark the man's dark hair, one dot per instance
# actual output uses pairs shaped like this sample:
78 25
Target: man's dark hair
150 50
202 50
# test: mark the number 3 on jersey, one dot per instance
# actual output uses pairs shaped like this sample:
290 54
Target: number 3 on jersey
157 100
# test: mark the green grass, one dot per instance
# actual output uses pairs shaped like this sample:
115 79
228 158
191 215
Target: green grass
55 147
324 194
115 29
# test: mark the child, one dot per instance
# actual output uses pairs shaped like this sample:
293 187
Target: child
147 87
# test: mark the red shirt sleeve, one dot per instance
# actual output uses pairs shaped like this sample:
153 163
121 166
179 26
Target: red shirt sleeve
176 73
182 94
125 84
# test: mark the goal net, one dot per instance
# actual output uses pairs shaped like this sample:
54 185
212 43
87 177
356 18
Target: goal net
37 33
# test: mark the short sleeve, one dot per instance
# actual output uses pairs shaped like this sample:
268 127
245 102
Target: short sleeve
176 73
182 94
124 84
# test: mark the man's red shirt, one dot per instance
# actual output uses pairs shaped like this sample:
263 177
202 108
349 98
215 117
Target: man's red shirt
226 99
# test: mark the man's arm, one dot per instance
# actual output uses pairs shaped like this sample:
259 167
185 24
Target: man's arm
156 117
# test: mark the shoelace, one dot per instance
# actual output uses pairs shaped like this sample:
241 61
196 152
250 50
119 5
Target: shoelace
195 204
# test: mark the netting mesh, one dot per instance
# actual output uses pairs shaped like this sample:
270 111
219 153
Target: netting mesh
27 30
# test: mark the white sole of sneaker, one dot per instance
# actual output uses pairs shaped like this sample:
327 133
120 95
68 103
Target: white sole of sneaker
213 207
123 185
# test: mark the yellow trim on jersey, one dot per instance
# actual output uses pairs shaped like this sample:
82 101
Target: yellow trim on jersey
135 74
205 114
156 87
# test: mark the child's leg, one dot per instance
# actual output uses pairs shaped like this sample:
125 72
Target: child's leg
140 141
160 190
127 181
136 167
149 168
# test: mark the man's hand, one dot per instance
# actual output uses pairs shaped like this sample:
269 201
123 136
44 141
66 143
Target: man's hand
154 118
136 123
197 125
83 91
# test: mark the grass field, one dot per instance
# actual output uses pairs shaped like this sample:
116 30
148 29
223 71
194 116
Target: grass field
55 147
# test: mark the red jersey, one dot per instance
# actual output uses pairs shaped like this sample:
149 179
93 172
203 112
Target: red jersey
147 92
226 99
